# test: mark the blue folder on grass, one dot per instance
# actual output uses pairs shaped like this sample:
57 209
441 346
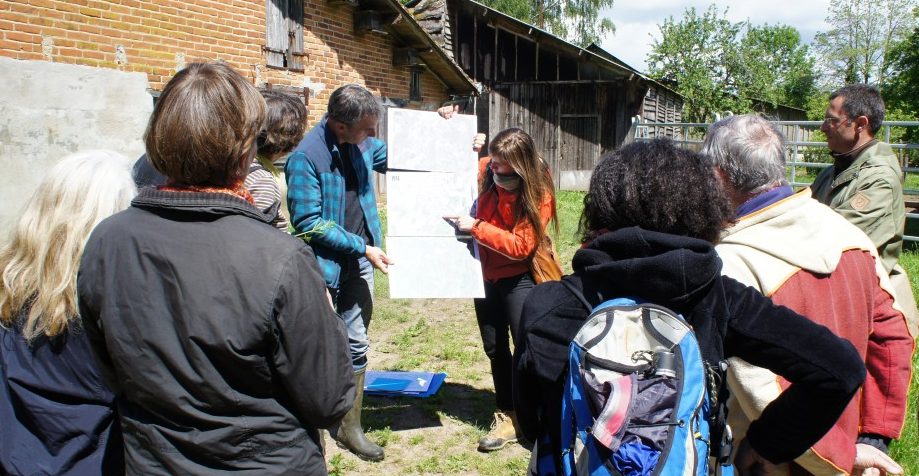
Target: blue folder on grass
403 384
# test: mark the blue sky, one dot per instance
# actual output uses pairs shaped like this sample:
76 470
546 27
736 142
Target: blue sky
636 21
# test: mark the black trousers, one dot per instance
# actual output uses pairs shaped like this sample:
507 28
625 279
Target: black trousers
497 314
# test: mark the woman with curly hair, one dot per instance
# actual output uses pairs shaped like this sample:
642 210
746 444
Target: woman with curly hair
284 127
515 205
651 217
56 414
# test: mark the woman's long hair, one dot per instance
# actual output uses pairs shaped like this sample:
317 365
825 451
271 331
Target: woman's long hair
38 266
516 147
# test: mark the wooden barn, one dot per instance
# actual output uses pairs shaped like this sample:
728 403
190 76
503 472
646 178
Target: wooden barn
577 103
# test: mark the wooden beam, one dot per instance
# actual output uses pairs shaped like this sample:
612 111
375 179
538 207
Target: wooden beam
516 57
536 72
497 56
403 56
371 21
475 48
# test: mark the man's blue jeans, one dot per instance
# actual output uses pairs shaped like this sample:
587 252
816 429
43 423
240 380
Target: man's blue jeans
354 303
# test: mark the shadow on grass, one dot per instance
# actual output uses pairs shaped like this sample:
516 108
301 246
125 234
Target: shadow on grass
469 405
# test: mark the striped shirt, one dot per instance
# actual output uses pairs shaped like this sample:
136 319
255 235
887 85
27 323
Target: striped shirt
267 193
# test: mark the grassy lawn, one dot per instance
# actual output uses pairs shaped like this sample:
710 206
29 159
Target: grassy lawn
438 435
906 449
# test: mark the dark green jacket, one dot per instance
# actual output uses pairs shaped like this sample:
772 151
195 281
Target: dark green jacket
869 193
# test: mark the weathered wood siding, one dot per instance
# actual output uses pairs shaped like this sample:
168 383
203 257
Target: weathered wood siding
577 104
573 123
284 34
662 105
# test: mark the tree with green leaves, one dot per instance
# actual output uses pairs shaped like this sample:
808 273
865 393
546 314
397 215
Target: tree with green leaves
901 91
586 24
720 66
698 55
858 47
578 21
775 67
520 9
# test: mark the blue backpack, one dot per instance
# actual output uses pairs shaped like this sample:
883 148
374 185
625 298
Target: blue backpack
639 400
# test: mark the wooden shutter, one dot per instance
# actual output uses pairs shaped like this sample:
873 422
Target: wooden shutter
295 35
414 85
276 32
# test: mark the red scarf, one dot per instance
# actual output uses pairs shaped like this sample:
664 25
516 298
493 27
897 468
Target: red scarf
238 190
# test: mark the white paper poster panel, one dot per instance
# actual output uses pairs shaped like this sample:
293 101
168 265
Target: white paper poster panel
433 267
422 140
416 202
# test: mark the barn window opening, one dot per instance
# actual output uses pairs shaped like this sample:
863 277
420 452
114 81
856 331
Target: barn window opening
284 34
414 86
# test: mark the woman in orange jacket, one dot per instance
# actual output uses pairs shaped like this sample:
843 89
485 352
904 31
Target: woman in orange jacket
515 192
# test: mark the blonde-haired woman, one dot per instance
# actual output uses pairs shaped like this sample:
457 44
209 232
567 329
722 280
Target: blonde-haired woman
55 411
515 205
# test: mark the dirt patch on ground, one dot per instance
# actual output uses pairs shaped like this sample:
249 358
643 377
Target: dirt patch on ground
439 434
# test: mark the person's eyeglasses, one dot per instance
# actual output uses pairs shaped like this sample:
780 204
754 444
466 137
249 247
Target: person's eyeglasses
834 121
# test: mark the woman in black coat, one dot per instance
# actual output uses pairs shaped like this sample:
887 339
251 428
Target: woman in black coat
650 219
213 329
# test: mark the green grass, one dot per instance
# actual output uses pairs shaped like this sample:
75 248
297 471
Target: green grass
569 206
340 465
383 436
906 449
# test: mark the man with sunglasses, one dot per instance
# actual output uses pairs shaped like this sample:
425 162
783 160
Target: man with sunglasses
864 184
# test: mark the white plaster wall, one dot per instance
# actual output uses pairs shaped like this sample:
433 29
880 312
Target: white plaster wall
49 110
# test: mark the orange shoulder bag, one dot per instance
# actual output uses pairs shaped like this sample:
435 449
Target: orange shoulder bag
545 265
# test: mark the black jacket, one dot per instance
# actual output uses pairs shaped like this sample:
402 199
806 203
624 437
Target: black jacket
56 414
729 319
214 331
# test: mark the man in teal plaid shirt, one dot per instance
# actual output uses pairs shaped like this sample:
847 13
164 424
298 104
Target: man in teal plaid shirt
331 200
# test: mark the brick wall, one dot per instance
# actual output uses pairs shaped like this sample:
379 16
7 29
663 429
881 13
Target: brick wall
158 37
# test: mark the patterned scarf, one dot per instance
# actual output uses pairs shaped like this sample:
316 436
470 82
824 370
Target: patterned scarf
237 190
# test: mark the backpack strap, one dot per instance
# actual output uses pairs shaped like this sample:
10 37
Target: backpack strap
578 294
722 437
